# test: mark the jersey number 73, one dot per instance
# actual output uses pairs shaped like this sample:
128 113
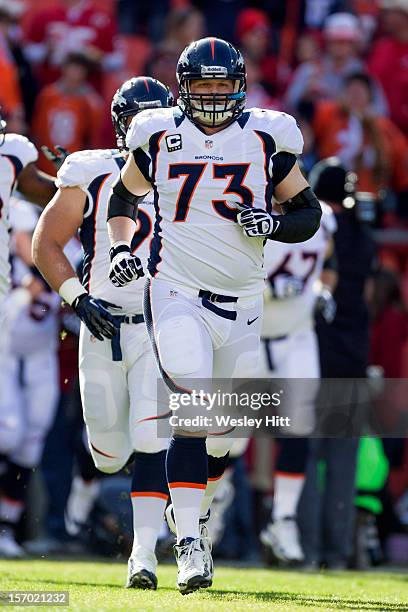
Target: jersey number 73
193 173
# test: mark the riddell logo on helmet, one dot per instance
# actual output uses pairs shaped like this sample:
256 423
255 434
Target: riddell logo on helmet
211 70
149 104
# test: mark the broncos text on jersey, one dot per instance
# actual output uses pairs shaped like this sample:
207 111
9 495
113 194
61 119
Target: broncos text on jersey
197 181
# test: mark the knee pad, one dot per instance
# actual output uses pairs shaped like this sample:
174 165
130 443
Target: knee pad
180 346
109 450
109 466
98 397
144 438
11 433
219 446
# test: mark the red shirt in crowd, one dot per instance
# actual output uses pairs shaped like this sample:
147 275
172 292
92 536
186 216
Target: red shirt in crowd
56 31
389 64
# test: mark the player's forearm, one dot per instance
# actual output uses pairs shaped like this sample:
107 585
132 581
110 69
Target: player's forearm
36 186
121 229
50 259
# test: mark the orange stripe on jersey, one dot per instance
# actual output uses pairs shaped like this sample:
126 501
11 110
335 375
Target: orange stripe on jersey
149 494
265 157
215 478
146 82
289 475
186 485
96 206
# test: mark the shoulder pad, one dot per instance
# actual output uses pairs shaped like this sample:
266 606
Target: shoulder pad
282 127
146 123
80 168
20 147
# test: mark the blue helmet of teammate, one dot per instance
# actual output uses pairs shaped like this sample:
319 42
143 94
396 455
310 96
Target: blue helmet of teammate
135 95
211 58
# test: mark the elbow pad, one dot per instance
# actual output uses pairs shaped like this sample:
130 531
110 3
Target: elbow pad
302 218
303 199
122 202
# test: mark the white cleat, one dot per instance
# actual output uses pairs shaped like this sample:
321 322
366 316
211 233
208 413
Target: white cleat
142 566
205 540
9 549
207 548
223 499
282 538
80 502
192 574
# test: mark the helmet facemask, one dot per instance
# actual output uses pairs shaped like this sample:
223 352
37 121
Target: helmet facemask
212 109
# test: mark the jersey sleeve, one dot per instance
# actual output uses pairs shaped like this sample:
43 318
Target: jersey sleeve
137 135
22 148
72 173
288 136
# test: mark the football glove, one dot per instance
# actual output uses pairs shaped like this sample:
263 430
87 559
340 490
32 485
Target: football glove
325 305
96 316
56 156
256 222
124 267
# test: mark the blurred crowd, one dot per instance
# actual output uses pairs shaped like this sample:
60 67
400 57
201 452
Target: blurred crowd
341 68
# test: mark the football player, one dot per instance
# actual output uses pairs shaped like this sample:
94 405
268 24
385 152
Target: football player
203 300
300 280
29 389
117 369
17 170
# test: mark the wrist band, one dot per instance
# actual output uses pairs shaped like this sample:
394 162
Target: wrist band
71 289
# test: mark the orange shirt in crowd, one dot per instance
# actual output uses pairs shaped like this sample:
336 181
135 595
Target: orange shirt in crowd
70 120
332 127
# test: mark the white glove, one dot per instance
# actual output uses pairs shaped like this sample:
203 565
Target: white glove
125 266
256 222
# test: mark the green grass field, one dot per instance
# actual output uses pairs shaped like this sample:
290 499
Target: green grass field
96 585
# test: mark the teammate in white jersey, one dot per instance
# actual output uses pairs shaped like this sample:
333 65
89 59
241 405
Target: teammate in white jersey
17 170
206 158
117 377
29 389
300 279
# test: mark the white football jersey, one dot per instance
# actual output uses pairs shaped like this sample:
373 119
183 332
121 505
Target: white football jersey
197 181
15 154
95 172
35 326
292 270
